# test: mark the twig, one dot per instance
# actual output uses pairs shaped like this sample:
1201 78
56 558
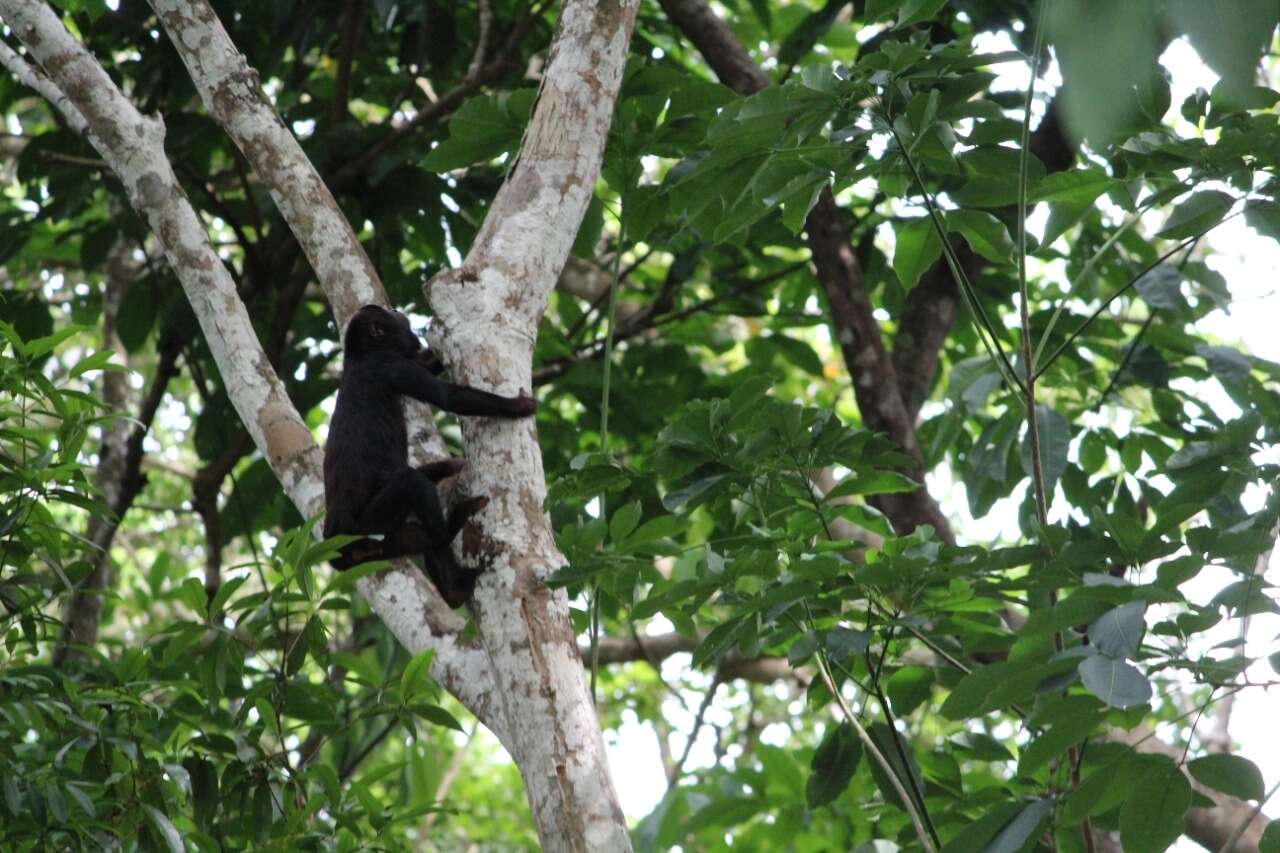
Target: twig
697 726
346 53
483 18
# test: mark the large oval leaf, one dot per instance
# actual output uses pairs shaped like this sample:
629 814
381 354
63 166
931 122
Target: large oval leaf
1151 819
1230 774
1118 632
1196 215
1115 682
834 763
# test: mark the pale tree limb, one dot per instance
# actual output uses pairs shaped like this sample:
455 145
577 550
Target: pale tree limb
35 79
134 147
232 94
487 315
234 98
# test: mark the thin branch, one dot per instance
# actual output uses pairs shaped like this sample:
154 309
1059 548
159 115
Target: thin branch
445 105
352 18
678 770
35 78
484 17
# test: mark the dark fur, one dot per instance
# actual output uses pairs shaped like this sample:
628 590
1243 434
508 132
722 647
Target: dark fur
369 486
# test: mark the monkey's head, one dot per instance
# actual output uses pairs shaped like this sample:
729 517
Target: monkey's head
375 328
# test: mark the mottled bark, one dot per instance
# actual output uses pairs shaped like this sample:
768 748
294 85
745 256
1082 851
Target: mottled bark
487 314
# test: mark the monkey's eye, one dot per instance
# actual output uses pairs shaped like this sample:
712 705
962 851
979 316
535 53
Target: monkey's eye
376 331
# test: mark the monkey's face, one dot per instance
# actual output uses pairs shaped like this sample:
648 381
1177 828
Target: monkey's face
375 328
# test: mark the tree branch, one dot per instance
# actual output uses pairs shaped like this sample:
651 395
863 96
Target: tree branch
486 317
134 146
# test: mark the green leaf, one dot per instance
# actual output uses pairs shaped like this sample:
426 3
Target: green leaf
39 346
974 837
1015 834
1055 442
415 672
1231 774
1115 682
1118 632
164 828
662 527
909 688
1077 188
915 11
834 763
100 360
584 243
1151 818
1076 609
802 38
1070 195
1161 287
844 642
1231 36
1196 215
797 352
1054 742
484 127
720 639
1270 841
82 800
874 483
204 789
993 176
916 247
985 234
797 203
884 739
877 9
1225 362
624 520
1098 98
998 685
12 795
1264 217
435 714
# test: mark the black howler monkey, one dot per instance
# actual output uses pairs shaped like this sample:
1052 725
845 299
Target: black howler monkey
369 485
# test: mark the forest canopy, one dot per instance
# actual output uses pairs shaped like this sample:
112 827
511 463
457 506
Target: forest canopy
894 484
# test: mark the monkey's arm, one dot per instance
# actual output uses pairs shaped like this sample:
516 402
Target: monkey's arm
411 378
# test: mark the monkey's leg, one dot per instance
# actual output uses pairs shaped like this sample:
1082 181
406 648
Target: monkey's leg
442 469
410 490
463 510
408 540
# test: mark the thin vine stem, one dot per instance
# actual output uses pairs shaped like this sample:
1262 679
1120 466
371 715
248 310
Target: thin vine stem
908 804
1129 286
1024 298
